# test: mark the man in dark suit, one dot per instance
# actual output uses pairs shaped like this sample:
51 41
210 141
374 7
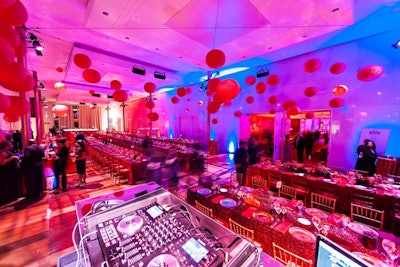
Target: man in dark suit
240 159
299 146
32 169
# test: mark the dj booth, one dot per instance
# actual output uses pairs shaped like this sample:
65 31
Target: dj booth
147 226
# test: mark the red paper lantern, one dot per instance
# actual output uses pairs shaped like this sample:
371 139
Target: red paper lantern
289 103
215 59
25 85
310 91
250 80
188 90
15 14
9 34
213 107
312 65
309 115
272 111
7 3
91 75
273 79
369 73
13 73
214 121
187 109
18 106
7 53
59 69
5 103
228 89
237 113
150 104
20 49
218 99
250 99
200 102
273 100
10 117
181 92
60 110
340 90
336 102
293 111
228 103
337 68
91 91
59 86
213 84
115 84
174 100
92 106
261 87
153 116
82 61
209 93
150 87
120 95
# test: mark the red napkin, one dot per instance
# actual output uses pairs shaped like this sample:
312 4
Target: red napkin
194 189
217 199
248 213
283 227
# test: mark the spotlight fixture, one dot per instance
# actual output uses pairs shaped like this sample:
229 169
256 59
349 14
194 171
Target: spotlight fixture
262 73
396 44
41 86
138 70
36 44
159 75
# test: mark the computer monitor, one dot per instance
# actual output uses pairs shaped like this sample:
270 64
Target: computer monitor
329 254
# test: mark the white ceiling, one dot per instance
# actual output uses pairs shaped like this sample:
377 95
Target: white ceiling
174 36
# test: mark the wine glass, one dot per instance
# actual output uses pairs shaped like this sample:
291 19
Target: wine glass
316 221
284 210
390 247
299 205
345 221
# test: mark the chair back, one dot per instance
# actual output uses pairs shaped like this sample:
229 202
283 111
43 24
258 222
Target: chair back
288 258
322 202
396 179
257 181
204 209
273 178
287 192
237 176
240 229
368 216
362 200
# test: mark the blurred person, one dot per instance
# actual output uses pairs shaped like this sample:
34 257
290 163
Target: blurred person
308 143
60 165
171 163
8 173
254 151
17 141
240 160
80 162
299 146
287 149
366 157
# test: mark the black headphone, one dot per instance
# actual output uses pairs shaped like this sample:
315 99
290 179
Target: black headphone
103 205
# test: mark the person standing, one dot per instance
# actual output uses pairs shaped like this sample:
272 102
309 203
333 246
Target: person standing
32 169
80 162
60 165
240 160
287 149
254 151
8 174
17 141
366 157
299 146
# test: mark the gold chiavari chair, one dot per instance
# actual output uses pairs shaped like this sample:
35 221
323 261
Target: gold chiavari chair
288 258
204 209
287 192
273 178
240 229
257 181
322 202
366 215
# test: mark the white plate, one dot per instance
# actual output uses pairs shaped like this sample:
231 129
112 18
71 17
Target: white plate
361 229
302 234
304 221
228 203
316 212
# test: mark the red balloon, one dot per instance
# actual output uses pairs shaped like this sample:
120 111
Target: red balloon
25 85
15 14
12 73
309 115
250 99
18 106
337 68
213 84
218 99
237 113
188 90
150 87
261 87
209 93
312 65
5 103
150 104
181 92
9 34
336 102
7 3
369 73
289 103
60 110
214 121
340 90
91 91
91 75
174 100
272 111
82 61
153 116
115 84
20 49
59 69
273 100
228 103
294 110
215 59
7 53
120 95
273 79
310 91
228 89
10 117
250 80
213 107
200 102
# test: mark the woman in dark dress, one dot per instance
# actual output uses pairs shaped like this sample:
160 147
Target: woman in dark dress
366 157
8 174
80 161
60 164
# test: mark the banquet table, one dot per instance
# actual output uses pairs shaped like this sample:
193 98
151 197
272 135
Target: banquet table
254 209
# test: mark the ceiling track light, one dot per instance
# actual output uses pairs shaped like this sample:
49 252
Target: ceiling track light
36 44
159 75
138 70
262 73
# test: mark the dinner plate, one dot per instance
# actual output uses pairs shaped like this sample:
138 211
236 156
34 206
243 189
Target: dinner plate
302 234
371 260
358 186
304 221
263 217
204 191
316 212
223 190
361 229
227 203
